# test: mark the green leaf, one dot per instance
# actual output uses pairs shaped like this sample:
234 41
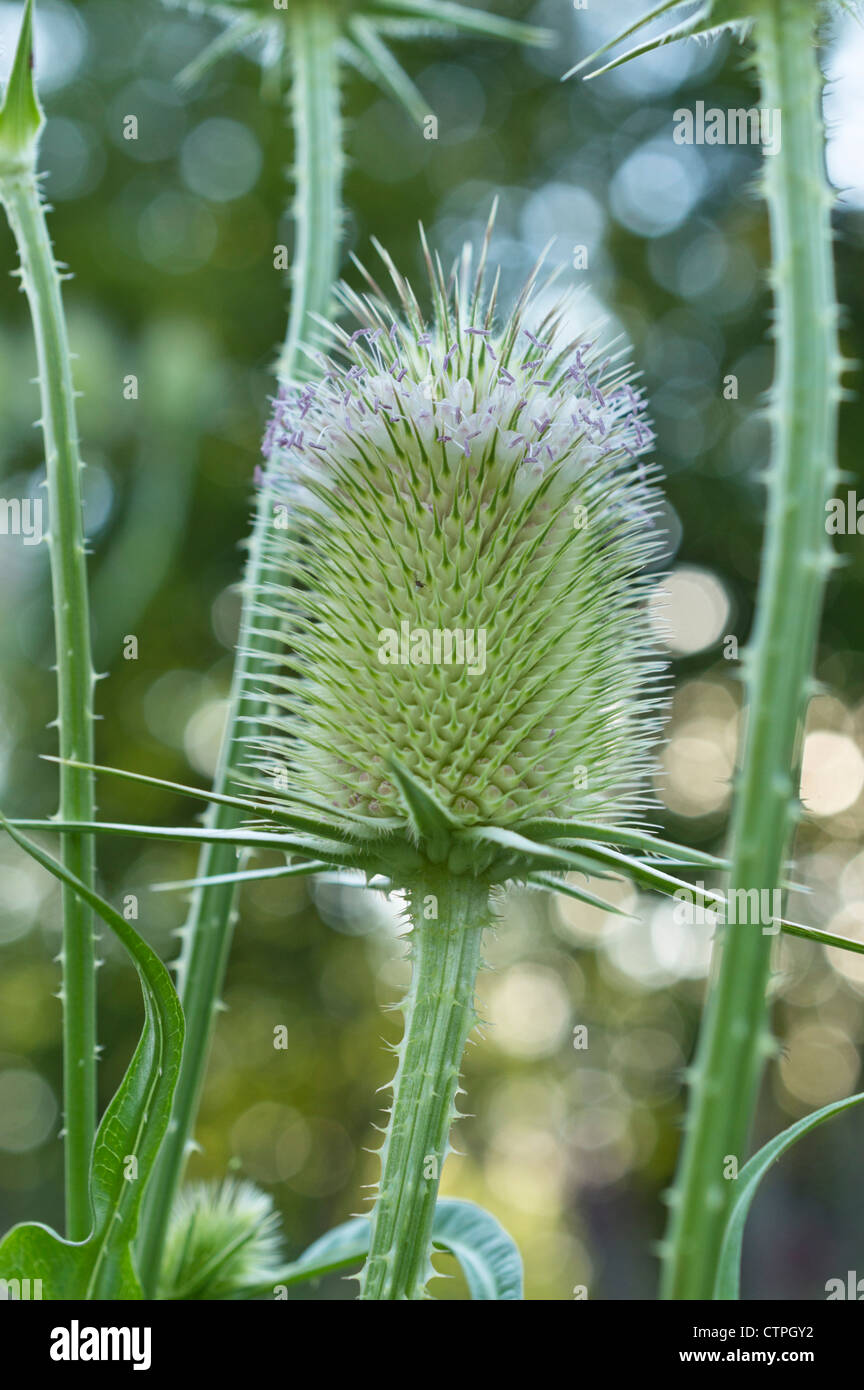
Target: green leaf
727 1286
341 1248
127 1141
21 116
489 1257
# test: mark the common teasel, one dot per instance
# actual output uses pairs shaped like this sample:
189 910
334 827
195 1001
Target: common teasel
453 645
305 51
464 524
444 844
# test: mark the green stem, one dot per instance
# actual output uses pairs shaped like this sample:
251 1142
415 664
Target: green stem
208 932
41 281
439 1015
735 1038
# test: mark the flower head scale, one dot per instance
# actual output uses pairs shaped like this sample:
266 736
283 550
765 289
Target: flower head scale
462 516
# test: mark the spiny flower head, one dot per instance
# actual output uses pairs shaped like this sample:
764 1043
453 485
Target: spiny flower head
223 1237
462 516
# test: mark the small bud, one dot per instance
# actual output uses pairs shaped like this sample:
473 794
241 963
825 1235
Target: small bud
21 117
222 1238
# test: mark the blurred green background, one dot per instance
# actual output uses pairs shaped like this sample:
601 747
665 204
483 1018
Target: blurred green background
171 240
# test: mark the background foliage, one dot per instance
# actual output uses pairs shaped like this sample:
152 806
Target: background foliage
171 238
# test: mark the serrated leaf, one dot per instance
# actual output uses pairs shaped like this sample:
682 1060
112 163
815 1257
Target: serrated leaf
727 1286
127 1141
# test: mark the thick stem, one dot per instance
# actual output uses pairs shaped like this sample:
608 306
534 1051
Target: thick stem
439 1015
735 1038
207 935
41 281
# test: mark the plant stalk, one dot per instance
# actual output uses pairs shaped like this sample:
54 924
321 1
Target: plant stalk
439 1015
735 1038
41 279
207 935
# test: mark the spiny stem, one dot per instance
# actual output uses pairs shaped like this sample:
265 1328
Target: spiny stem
735 1039
75 679
208 932
439 1015
317 126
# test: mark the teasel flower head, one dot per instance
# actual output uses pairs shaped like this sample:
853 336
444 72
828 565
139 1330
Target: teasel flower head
223 1238
463 515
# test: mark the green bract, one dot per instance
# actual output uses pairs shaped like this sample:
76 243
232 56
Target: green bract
461 520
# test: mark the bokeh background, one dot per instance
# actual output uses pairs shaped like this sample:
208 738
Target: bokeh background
171 240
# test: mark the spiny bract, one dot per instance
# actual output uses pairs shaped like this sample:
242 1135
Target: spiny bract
461 522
